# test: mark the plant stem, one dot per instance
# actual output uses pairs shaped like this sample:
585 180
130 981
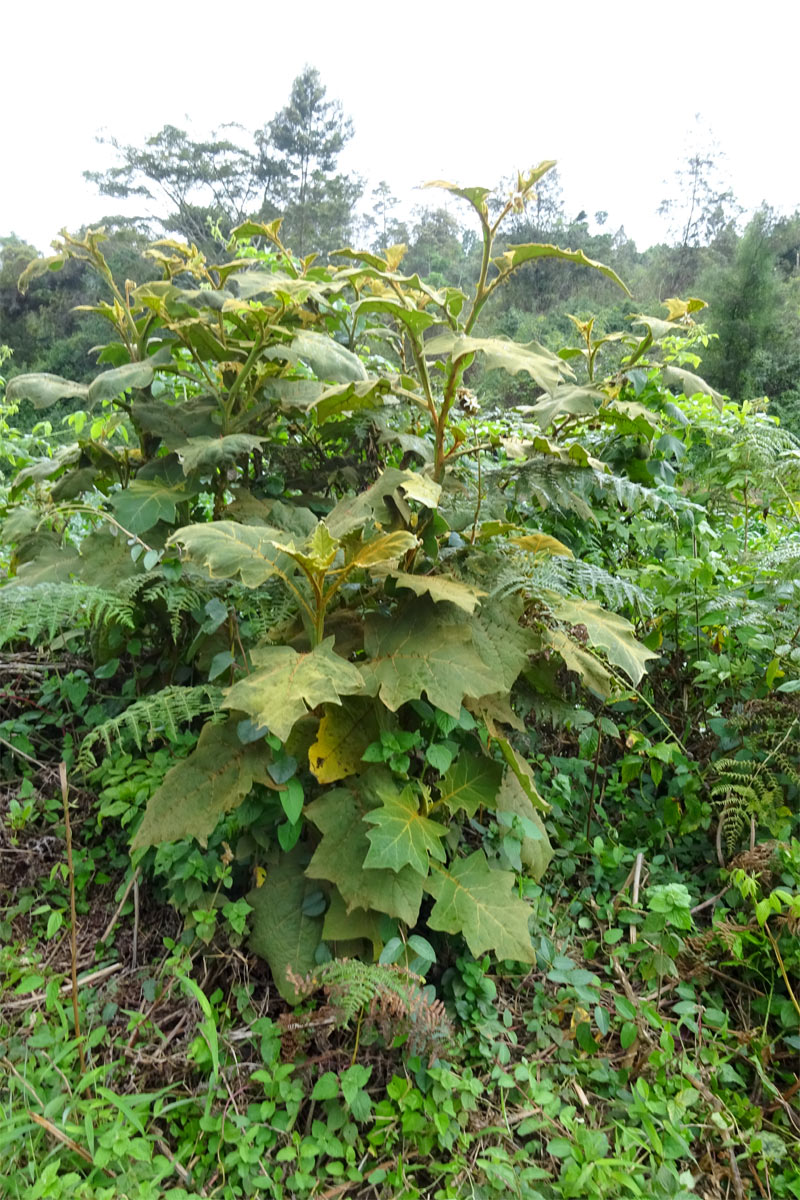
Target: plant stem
73 933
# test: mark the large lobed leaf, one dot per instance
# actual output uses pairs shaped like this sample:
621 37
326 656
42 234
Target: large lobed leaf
515 256
607 631
283 933
545 368
403 836
340 856
285 684
481 902
214 779
415 651
228 550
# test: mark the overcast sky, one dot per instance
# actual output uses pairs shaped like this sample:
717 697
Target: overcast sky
468 92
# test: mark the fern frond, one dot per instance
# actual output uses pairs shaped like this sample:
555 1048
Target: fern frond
159 715
392 997
535 575
42 609
756 787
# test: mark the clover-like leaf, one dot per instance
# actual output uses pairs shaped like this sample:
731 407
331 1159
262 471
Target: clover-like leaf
403 836
482 903
285 684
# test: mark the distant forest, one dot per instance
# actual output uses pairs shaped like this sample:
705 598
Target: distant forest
748 271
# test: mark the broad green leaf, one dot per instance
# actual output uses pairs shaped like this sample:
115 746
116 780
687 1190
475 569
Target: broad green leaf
515 256
43 390
542 543
471 783
283 933
204 454
342 926
536 851
402 835
502 643
327 358
374 504
284 684
606 631
228 550
440 587
145 502
473 899
587 666
522 772
545 368
350 398
415 320
112 383
566 401
200 789
690 384
415 652
476 196
250 284
344 733
339 859
176 423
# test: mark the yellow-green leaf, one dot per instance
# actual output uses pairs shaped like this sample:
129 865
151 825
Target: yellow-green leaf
471 783
339 859
344 733
403 836
285 684
483 905
515 256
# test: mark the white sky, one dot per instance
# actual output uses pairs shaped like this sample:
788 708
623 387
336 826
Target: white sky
466 91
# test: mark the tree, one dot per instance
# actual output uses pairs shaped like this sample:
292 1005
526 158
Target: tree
310 133
203 182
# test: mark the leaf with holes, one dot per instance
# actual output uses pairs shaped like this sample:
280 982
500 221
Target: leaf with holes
344 733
